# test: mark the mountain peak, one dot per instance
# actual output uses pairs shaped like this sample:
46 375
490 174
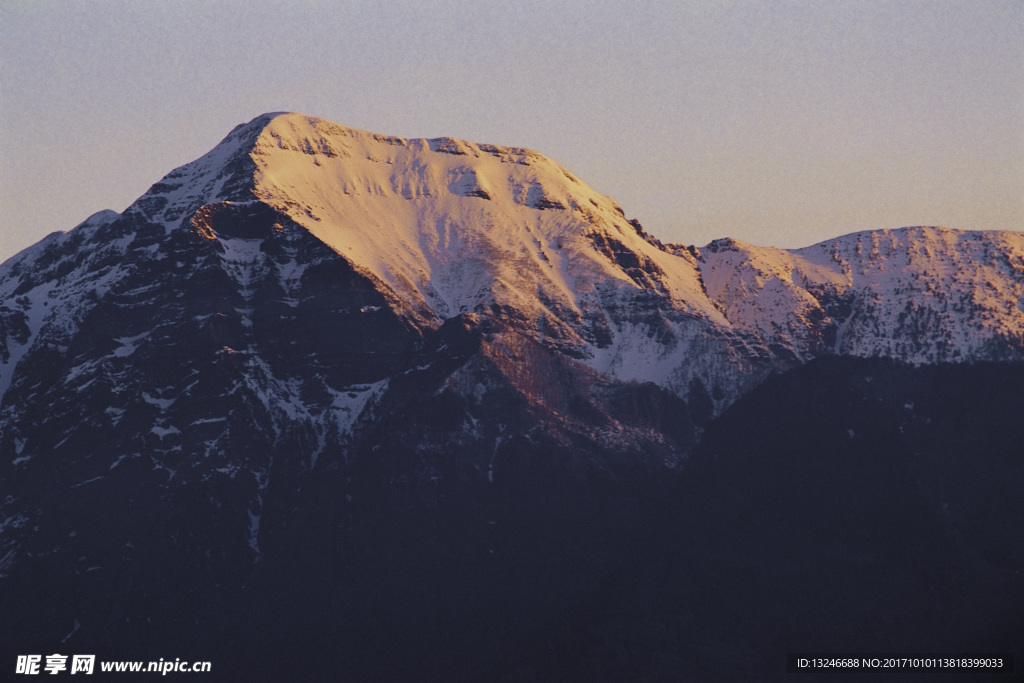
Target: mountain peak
313 135
453 226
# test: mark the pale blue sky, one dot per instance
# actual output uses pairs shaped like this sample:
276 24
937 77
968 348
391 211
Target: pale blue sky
779 123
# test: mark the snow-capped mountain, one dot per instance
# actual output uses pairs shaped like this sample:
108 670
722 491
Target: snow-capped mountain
280 356
920 295
445 227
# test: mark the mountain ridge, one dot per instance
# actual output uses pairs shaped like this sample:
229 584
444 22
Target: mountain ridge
446 227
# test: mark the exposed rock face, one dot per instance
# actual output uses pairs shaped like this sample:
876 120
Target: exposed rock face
316 355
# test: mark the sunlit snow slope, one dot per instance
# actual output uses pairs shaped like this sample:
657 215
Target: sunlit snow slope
920 295
446 227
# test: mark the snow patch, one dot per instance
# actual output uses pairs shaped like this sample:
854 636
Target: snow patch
162 403
128 345
74 628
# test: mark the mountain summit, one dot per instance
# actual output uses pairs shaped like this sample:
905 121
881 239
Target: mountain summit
449 390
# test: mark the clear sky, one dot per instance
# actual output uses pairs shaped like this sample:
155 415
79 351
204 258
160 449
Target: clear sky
778 123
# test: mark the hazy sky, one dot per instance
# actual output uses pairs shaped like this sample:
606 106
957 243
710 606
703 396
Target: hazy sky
779 123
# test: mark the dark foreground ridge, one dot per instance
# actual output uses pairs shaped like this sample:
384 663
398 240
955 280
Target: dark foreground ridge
848 505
